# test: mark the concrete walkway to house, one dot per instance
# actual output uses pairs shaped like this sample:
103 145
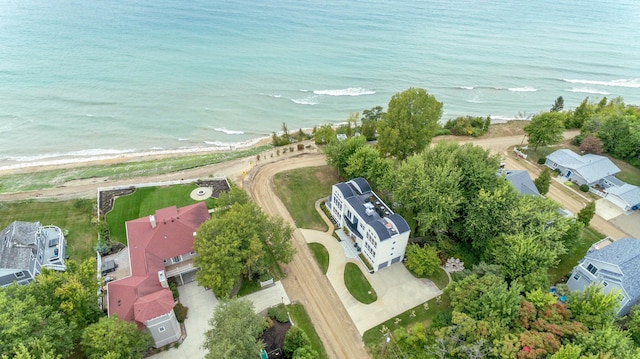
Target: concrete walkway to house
397 290
201 303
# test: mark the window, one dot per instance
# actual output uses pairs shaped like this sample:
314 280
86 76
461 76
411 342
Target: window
192 252
19 274
161 329
576 276
592 269
604 284
176 259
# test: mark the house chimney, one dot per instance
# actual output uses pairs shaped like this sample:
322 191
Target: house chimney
162 278
152 220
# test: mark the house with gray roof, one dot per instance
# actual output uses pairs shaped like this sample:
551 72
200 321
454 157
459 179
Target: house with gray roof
625 196
614 265
586 169
378 233
523 183
26 248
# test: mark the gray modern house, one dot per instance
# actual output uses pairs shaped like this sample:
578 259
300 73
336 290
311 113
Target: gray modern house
26 248
616 266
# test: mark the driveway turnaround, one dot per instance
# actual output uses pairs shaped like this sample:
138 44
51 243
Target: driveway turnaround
397 290
201 303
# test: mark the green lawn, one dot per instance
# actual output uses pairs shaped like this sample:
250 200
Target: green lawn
300 318
300 189
144 202
321 255
73 215
440 279
358 285
374 336
248 287
570 260
53 178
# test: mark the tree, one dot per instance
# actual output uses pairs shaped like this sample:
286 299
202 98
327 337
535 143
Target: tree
240 240
339 152
568 351
586 214
591 144
607 342
294 339
545 129
633 325
581 114
366 162
99 338
369 122
409 124
558 105
524 258
234 331
324 134
543 181
305 353
593 307
423 261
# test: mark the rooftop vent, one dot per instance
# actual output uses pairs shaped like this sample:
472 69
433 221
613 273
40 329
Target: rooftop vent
152 220
369 209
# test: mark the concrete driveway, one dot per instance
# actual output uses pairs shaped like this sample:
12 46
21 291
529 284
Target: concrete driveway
398 290
201 303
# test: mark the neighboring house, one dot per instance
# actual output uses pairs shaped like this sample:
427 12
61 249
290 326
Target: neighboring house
522 182
625 196
587 169
26 248
598 172
616 266
160 247
374 229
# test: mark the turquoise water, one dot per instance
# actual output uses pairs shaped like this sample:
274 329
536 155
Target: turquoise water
82 78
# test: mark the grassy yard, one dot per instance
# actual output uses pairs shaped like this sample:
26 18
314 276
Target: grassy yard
300 189
248 287
72 215
440 279
321 255
300 317
144 202
374 335
29 181
569 260
358 285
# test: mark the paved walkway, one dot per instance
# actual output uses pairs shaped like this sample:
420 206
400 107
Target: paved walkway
201 303
398 290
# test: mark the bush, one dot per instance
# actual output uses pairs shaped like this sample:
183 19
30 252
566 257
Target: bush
294 339
174 290
181 312
584 188
542 160
443 132
557 172
279 313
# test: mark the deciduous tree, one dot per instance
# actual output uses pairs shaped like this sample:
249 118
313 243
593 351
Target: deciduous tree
294 339
545 129
423 261
586 214
409 124
366 162
591 144
234 331
99 339
543 181
369 122
593 307
339 152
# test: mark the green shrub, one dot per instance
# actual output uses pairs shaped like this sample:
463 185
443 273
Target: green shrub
443 132
174 290
557 172
279 313
542 160
584 188
181 312
294 339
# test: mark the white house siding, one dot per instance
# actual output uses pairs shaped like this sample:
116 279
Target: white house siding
615 199
164 329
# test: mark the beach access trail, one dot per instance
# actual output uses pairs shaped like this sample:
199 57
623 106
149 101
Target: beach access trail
304 282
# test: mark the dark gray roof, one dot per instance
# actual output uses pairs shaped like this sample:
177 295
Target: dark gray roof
591 167
624 253
379 227
361 185
399 222
17 243
345 189
523 183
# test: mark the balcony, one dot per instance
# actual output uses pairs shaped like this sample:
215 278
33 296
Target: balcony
179 268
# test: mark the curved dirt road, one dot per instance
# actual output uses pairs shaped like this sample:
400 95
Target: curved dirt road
304 282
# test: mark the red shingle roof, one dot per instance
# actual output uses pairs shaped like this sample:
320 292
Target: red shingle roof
140 297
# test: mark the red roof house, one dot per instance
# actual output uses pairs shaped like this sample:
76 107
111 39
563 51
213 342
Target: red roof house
160 246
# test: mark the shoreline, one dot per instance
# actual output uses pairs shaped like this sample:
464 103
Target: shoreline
70 161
